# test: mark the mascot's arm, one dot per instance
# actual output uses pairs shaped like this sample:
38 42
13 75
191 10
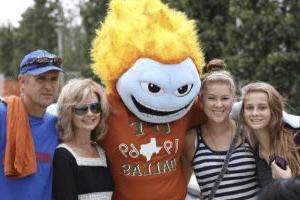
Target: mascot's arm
196 115
235 111
292 120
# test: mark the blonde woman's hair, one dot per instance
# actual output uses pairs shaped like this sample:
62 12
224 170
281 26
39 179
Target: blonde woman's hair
282 139
73 93
216 73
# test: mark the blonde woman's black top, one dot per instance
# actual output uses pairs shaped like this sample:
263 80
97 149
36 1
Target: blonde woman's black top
76 177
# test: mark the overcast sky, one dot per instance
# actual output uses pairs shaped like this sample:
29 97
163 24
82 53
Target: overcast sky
11 10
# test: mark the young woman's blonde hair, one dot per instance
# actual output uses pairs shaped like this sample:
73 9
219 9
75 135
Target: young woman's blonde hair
73 93
282 140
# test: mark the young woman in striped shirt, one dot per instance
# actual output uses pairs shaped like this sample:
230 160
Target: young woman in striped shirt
206 146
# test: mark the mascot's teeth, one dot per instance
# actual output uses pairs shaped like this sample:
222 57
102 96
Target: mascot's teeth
153 111
152 108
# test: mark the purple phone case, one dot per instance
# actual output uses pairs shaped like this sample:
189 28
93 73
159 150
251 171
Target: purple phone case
281 162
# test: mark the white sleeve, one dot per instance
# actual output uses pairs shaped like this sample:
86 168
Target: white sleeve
52 109
235 111
292 120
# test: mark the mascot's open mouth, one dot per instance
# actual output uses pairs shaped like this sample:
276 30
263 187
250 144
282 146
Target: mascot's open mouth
150 111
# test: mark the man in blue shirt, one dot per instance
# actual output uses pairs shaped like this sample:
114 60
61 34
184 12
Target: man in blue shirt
38 81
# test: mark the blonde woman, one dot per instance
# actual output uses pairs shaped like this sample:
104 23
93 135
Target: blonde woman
80 167
262 114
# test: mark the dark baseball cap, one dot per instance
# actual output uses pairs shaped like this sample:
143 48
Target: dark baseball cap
39 62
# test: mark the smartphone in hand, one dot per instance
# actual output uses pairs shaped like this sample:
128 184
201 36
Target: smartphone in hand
281 162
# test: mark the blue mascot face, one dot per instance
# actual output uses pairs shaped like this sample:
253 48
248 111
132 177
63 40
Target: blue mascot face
159 93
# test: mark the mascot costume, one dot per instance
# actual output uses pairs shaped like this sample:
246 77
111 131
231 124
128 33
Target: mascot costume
150 59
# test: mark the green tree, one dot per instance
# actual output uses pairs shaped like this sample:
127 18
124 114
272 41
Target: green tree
75 49
37 29
211 17
92 13
257 38
7 51
263 45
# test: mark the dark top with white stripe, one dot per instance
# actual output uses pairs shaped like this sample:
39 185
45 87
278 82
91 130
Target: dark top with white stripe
240 180
76 177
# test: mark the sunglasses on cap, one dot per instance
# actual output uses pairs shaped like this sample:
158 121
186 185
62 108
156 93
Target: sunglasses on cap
95 108
57 61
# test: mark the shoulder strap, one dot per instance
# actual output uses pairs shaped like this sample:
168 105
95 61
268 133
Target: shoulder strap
197 140
226 162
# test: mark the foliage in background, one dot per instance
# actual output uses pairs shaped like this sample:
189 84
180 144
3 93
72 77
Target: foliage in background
211 17
258 39
37 30
264 45
92 13
7 50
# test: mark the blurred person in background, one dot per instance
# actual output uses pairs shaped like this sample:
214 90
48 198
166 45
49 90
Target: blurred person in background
281 189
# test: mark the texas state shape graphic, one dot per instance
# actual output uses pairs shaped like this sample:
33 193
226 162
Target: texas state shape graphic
149 149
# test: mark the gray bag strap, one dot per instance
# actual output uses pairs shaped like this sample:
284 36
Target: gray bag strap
226 163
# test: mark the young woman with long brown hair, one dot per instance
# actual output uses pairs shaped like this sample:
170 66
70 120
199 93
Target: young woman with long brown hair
262 115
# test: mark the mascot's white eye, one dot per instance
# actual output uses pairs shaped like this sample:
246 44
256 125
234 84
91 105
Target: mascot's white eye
152 88
183 90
